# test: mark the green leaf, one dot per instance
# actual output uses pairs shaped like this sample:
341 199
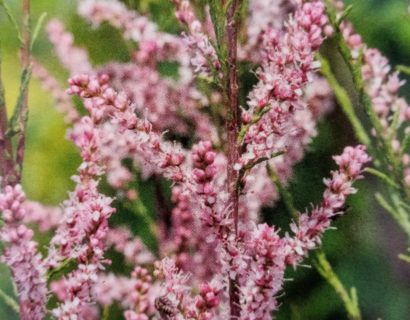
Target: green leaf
382 176
404 258
18 120
344 14
37 29
66 265
11 19
9 301
404 69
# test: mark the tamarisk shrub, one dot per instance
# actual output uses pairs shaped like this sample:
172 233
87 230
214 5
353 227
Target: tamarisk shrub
216 259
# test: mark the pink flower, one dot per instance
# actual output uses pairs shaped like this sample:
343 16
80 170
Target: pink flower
309 228
21 255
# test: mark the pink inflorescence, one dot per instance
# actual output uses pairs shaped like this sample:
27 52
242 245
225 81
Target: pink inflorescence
204 58
287 67
22 256
208 252
309 227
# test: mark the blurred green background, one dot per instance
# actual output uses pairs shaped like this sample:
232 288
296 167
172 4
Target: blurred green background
364 249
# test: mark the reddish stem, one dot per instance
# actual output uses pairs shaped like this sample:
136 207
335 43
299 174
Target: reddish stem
6 151
163 209
232 128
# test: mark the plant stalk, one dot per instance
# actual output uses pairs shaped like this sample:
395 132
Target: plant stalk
25 62
232 129
6 151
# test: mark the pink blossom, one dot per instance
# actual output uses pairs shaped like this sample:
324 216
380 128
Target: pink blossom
102 101
265 273
204 58
288 63
309 228
21 255
74 59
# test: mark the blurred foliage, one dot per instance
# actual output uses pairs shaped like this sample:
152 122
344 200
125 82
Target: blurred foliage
363 250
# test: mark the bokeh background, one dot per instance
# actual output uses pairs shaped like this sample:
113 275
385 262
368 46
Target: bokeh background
363 250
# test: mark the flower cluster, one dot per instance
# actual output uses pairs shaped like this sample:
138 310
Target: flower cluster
287 66
309 227
204 58
215 258
22 256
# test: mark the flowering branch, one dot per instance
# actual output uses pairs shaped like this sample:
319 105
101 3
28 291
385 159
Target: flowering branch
22 256
320 261
377 90
220 179
23 110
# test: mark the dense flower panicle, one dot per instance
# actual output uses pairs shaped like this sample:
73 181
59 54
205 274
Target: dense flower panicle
141 306
175 298
103 101
264 280
85 224
82 233
267 254
176 301
382 86
131 106
204 172
259 190
209 178
291 55
263 15
85 220
81 236
309 227
74 59
204 58
75 291
160 100
21 255
287 68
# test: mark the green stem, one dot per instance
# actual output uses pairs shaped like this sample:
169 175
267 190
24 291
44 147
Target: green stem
344 101
404 258
350 301
106 313
320 262
6 149
9 301
286 196
65 265
382 176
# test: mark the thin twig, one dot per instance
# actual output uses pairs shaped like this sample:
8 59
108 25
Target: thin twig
6 151
25 61
350 301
